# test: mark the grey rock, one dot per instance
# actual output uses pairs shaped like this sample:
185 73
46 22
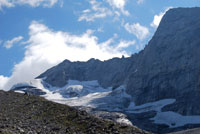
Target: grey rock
108 73
168 67
29 90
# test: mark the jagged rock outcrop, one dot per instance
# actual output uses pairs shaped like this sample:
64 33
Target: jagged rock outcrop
108 73
29 90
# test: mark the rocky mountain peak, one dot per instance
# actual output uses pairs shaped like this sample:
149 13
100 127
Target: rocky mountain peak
168 67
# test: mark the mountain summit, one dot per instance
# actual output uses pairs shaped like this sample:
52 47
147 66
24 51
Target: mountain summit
158 88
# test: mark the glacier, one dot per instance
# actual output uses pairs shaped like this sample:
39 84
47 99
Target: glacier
89 94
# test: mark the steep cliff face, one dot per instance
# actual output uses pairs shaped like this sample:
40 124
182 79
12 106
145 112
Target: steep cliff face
169 66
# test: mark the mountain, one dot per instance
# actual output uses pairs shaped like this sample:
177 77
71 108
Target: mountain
169 66
189 131
158 88
31 114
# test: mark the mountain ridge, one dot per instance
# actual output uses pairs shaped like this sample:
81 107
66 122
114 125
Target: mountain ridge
140 70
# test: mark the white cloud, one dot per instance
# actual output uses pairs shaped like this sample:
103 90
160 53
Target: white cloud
100 29
36 3
5 3
140 1
120 4
99 10
47 48
125 44
96 11
157 18
141 32
61 4
33 3
8 44
3 81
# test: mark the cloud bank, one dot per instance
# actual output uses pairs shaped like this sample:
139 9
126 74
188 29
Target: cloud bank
32 3
3 81
47 48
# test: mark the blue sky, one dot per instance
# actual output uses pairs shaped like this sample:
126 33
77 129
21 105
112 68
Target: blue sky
38 34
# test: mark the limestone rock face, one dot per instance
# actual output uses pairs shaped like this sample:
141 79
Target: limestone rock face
168 67
112 72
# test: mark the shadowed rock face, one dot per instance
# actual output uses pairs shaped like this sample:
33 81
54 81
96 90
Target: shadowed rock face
108 73
189 131
29 90
168 67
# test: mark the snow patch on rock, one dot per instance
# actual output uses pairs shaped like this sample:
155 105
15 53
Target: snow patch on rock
169 118
174 120
151 106
21 92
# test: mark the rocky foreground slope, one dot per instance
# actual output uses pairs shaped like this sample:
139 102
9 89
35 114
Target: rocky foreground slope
23 114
